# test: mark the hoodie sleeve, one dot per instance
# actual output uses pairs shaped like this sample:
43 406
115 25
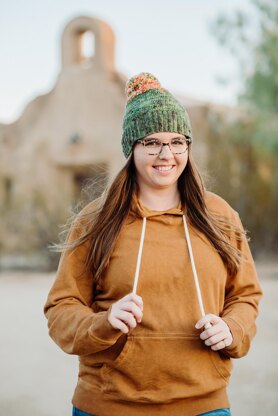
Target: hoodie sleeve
242 296
71 321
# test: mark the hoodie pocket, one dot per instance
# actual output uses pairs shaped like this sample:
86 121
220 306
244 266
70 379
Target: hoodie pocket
161 368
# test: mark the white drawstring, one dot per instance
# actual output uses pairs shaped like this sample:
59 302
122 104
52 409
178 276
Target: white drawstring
139 256
196 280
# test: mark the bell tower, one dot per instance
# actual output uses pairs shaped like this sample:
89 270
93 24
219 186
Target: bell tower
88 41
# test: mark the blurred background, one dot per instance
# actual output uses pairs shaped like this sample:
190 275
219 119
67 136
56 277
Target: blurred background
64 66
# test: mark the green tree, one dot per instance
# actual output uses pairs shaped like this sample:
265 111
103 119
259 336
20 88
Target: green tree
253 40
251 142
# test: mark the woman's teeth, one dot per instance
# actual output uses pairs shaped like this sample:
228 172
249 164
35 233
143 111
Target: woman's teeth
163 168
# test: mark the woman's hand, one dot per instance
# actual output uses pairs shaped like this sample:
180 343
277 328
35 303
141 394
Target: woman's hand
126 312
218 336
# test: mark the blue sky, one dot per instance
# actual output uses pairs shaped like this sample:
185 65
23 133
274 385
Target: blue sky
171 39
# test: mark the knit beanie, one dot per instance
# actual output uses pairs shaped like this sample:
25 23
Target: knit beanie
151 109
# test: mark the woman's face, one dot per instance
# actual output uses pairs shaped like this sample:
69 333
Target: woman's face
162 170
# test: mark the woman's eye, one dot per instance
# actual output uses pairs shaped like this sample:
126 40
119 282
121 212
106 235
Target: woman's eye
152 143
177 142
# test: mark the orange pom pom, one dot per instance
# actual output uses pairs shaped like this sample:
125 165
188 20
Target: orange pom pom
141 83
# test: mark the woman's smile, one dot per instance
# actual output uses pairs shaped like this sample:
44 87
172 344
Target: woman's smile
164 169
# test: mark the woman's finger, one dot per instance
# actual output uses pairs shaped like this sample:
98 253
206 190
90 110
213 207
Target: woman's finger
209 318
134 309
212 331
126 317
219 346
134 298
215 339
118 324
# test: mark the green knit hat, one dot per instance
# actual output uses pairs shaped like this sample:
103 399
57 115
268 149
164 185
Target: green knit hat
151 109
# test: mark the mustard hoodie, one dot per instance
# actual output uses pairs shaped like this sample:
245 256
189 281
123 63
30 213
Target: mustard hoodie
161 367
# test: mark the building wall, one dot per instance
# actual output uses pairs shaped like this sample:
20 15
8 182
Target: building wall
64 136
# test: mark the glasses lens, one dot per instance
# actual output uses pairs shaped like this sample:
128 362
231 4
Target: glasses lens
178 145
152 146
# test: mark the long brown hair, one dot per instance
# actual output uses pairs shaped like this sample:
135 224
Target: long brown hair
100 224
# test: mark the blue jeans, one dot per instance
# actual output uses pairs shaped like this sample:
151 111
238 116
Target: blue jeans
77 412
219 412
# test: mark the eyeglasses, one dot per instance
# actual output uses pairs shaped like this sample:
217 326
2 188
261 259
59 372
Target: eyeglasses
154 147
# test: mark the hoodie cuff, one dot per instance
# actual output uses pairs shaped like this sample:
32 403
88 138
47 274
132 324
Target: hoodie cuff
237 334
102 331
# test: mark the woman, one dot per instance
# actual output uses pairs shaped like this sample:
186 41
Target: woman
156 288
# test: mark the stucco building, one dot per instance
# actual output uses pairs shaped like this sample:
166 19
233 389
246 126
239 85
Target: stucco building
64 137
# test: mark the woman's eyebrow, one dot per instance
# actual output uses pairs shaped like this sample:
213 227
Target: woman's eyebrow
176 137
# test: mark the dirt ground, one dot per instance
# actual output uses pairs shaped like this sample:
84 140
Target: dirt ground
38 379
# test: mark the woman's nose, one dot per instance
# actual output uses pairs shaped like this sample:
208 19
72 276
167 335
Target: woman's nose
166 152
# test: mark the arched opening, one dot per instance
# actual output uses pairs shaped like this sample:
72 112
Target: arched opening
86 47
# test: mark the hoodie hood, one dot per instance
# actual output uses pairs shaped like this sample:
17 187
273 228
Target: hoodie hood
139 210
